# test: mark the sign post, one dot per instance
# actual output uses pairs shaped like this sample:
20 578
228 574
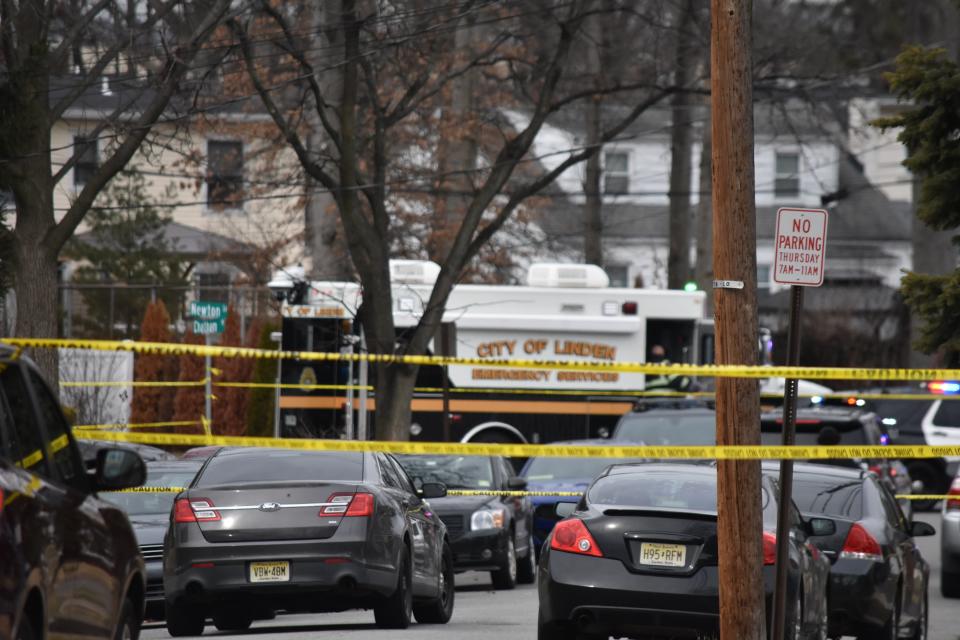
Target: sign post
798 260
208 318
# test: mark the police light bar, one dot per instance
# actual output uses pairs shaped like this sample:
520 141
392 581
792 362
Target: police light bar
942 387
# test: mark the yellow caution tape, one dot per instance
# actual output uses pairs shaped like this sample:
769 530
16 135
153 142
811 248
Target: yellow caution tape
764 452
720 371
135 425
138 384
149 490
513 494
926 496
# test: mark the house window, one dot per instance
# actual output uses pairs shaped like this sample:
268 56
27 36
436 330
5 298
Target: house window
224 174
616 173
618 274
787 179
87 162
763 276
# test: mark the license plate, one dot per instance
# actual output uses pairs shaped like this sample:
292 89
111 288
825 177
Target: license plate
270 571
656 554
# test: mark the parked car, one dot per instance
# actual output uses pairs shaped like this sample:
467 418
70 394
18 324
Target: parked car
909 422
260 530
71 567
950 543
878 578
487 532
639 557
561 475
89 449
149 513
668 422
843 426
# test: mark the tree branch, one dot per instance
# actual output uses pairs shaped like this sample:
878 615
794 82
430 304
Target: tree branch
175 70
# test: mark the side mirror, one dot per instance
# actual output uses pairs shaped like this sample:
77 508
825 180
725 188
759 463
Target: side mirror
118 469
919 529
565 509
433 490
516 483
820 527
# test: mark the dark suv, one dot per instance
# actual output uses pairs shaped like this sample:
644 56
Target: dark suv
71 567
669 422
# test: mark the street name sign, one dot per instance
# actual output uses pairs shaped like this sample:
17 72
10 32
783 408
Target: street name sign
800 247
208 317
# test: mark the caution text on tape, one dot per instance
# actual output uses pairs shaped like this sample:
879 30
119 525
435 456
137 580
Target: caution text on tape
763 452
720 371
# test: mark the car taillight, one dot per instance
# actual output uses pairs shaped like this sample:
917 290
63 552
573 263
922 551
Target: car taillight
769 548
182 511
201 510
572 536
953 504
877 469
349 505
861 545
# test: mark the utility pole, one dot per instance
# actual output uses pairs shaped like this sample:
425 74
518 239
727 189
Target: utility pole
739 520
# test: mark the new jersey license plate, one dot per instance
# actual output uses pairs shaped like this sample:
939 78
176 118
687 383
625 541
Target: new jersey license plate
656 554
277 571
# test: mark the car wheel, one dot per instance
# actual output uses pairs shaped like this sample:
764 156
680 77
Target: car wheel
920 633
527 569
506 576
232 622
25 630
949 584
439 610
394 612
184 620
128 626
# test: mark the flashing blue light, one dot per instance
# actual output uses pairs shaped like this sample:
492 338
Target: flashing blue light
945 388
884 439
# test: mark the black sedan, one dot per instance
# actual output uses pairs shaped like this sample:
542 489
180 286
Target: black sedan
148 508
878 580
487 532
639 557
263 530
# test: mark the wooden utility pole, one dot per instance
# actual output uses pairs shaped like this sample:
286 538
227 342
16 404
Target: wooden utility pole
739 523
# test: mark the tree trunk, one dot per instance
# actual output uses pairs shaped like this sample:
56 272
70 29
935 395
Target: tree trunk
394 387
704 228
36 289
324 244
457 149
681 135
593 206
592 179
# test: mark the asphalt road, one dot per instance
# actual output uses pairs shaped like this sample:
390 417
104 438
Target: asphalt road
481 613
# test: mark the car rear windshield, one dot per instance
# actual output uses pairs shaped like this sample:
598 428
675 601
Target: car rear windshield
457 472
656 490
282 466
674 428
550 469
145 502
813 432
838 497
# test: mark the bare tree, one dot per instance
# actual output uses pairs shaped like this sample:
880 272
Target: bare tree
54 57
395 65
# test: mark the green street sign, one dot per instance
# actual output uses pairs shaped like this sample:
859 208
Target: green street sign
208 317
